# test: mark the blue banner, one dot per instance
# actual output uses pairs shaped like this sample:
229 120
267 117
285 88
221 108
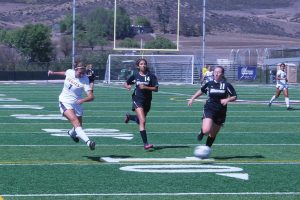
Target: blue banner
246 73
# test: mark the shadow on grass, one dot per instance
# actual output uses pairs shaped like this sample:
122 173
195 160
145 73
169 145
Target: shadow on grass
170 147
237 157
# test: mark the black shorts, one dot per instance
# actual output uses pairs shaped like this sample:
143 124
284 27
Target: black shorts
141 103
218 116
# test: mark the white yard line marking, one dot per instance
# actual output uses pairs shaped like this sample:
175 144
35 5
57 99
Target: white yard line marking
153 194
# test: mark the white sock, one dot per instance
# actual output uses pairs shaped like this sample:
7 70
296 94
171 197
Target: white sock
287 101
72 131
81 134
272 99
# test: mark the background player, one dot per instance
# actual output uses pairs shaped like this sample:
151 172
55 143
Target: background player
281 85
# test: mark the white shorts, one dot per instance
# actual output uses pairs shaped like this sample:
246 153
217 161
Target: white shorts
67 106
282 86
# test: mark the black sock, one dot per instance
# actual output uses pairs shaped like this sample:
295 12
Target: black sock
134 118
144 137
210 141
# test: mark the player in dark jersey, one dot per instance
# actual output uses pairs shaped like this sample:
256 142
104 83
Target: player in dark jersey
91 75
220 93
145 83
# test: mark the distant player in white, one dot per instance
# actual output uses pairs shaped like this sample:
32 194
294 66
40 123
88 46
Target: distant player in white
208 76
281 85
70 100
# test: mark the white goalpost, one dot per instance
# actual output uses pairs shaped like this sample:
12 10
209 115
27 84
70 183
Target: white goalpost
173 69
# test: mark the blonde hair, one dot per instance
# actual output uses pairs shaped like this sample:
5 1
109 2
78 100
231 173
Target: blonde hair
79 65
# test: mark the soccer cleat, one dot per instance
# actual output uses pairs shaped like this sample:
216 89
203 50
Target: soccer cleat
200 136
74 138
290 108
269 104
92 145
126 119
148 146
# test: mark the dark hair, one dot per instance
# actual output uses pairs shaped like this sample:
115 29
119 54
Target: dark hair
138 62
282 64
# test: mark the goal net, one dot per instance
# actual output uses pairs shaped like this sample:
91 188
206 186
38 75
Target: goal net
167 68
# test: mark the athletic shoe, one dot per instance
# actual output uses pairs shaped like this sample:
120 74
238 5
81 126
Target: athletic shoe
92 145
269 104
74 138
290 108
126 119
200 136
148 146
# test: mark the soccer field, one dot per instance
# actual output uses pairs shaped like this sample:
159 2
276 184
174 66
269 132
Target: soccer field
255 156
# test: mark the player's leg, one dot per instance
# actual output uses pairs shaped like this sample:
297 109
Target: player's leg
278 91
206 123
76 122
142 126
286 98
129 117
212 135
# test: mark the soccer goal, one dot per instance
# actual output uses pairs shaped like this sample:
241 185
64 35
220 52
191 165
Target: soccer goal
168 68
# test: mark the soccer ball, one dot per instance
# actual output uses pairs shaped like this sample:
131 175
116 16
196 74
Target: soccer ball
202 152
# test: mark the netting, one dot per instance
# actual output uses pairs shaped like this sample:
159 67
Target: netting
168 68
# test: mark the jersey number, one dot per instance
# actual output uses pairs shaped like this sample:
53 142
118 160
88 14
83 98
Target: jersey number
222 86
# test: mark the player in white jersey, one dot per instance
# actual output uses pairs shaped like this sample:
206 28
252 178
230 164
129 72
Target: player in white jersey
208 76
70 100
281 85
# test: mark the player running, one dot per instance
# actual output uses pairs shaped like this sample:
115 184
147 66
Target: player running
281 85
220 93
70 100
145 83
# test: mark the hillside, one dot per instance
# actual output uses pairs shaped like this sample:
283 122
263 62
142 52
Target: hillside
232 23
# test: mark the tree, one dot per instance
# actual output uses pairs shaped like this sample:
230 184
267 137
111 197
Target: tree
129 43
163 16
34 42
160 43
123 24
66 25
66 45
142 21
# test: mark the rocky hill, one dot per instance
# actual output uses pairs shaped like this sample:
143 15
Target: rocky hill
247 23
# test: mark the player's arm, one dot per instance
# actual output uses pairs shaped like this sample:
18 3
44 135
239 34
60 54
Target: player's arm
153 85
195 96
151 88
62 73
231 97
130 81
90 97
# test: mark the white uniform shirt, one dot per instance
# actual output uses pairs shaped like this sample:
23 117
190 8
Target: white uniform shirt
281 74
209 76
73 87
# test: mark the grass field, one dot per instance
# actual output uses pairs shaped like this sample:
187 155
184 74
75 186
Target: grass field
255 156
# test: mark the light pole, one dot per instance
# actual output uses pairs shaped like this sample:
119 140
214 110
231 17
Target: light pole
203 33
73 35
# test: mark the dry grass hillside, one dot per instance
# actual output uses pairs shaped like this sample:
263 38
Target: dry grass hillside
230 24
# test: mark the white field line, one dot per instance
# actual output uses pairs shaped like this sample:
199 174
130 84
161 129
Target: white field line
180 132
156 194
156 123
136 145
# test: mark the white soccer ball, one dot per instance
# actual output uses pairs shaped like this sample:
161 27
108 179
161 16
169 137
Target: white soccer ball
202 152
